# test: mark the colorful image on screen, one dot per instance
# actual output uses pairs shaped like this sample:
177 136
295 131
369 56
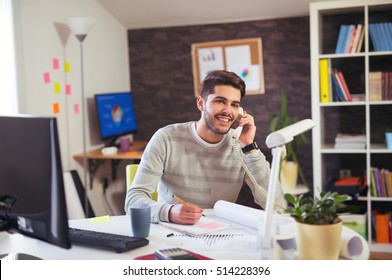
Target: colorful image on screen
116 115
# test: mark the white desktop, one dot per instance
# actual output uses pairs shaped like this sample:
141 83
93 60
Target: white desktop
235 249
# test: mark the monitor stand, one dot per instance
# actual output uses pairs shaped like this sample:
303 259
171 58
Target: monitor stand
112 142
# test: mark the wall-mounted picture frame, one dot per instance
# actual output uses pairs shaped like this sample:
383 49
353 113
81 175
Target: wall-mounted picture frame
243 56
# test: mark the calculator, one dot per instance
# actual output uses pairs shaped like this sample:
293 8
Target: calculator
174 254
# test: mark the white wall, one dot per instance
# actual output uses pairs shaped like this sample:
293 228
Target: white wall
106 68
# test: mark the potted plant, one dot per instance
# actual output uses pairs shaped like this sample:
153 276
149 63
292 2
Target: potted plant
318 226
290 167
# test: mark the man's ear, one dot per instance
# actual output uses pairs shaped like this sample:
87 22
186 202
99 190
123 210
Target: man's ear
200 103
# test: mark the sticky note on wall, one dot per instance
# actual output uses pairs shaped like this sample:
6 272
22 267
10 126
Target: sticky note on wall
56 108
46 78
67 67
56 87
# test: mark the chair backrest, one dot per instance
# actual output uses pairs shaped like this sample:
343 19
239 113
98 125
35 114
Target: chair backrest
130 172
75 196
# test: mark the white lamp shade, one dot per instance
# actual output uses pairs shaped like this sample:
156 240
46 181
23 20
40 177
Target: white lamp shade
286 135
80 26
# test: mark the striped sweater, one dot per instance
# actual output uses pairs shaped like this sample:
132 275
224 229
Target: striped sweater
177 161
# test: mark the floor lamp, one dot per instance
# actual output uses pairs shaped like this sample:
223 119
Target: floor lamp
277 141
80 27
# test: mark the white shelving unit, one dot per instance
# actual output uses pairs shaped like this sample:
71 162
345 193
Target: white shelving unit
361 117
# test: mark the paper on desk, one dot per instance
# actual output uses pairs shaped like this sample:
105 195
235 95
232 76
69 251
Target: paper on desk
230 239
351 246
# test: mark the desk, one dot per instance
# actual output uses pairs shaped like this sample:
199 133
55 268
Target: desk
96 158
121 225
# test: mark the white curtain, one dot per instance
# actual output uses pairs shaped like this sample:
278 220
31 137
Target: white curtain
8 93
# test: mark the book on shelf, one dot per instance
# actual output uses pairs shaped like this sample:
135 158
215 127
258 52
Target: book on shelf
325 90
352 185
350 38
381 182
381 36
342 91
375 86
341 39
338 94
380 86
350 141
345 87
360 41
358 97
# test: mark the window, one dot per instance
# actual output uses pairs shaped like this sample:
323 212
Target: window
8 94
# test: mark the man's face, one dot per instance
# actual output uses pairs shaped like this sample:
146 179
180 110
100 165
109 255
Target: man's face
221 108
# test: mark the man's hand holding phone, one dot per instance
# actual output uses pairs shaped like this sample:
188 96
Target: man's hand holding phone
246 123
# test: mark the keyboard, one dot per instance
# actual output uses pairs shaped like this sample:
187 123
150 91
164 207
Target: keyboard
116 242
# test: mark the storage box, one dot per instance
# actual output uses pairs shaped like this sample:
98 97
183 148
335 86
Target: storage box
356 222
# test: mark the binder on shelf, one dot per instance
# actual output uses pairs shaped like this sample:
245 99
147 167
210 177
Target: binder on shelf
325 91
381 226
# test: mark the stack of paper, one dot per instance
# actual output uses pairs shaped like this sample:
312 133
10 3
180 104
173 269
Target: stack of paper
350 141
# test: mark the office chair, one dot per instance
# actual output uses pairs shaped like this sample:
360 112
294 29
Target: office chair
130 171
75 196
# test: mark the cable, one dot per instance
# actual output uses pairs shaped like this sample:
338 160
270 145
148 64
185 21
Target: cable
280 208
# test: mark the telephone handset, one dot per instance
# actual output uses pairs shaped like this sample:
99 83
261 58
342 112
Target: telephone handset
237 129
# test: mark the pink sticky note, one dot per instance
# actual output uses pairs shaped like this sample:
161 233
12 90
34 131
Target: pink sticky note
76 108
68 89
46 78
55 63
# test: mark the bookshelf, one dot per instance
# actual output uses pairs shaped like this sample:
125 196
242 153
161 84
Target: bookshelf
366 115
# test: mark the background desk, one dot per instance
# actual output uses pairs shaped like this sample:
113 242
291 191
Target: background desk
18 243
96 158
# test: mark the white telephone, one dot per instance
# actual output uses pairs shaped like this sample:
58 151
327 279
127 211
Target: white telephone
237 129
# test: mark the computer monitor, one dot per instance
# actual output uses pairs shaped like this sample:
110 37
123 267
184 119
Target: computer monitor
116 115
31 179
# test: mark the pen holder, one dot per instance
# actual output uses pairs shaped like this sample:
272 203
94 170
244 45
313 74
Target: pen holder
140 220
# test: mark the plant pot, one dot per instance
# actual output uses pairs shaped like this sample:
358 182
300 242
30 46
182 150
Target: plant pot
288 174
318 242
388 140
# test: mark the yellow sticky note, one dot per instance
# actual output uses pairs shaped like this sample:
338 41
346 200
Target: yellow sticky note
67 67
101 219
56 87
56 108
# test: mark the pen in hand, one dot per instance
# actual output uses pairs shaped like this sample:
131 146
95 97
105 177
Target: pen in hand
181 201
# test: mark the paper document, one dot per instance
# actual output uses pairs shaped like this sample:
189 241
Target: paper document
203 226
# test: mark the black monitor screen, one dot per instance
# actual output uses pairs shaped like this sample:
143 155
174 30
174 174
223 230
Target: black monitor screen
31 179
116 114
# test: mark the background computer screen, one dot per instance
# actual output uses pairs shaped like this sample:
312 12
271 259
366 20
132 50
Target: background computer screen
31 173
116 115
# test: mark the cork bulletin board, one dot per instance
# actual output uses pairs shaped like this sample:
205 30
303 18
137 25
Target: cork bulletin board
244 57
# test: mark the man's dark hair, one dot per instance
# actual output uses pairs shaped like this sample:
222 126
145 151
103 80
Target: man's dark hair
219 78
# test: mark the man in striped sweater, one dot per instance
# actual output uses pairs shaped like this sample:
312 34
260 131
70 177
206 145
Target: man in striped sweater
200 161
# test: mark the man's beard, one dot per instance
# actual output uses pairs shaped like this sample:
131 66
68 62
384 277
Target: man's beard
209 120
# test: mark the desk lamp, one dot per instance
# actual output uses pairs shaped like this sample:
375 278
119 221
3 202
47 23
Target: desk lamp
80 27
276 141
